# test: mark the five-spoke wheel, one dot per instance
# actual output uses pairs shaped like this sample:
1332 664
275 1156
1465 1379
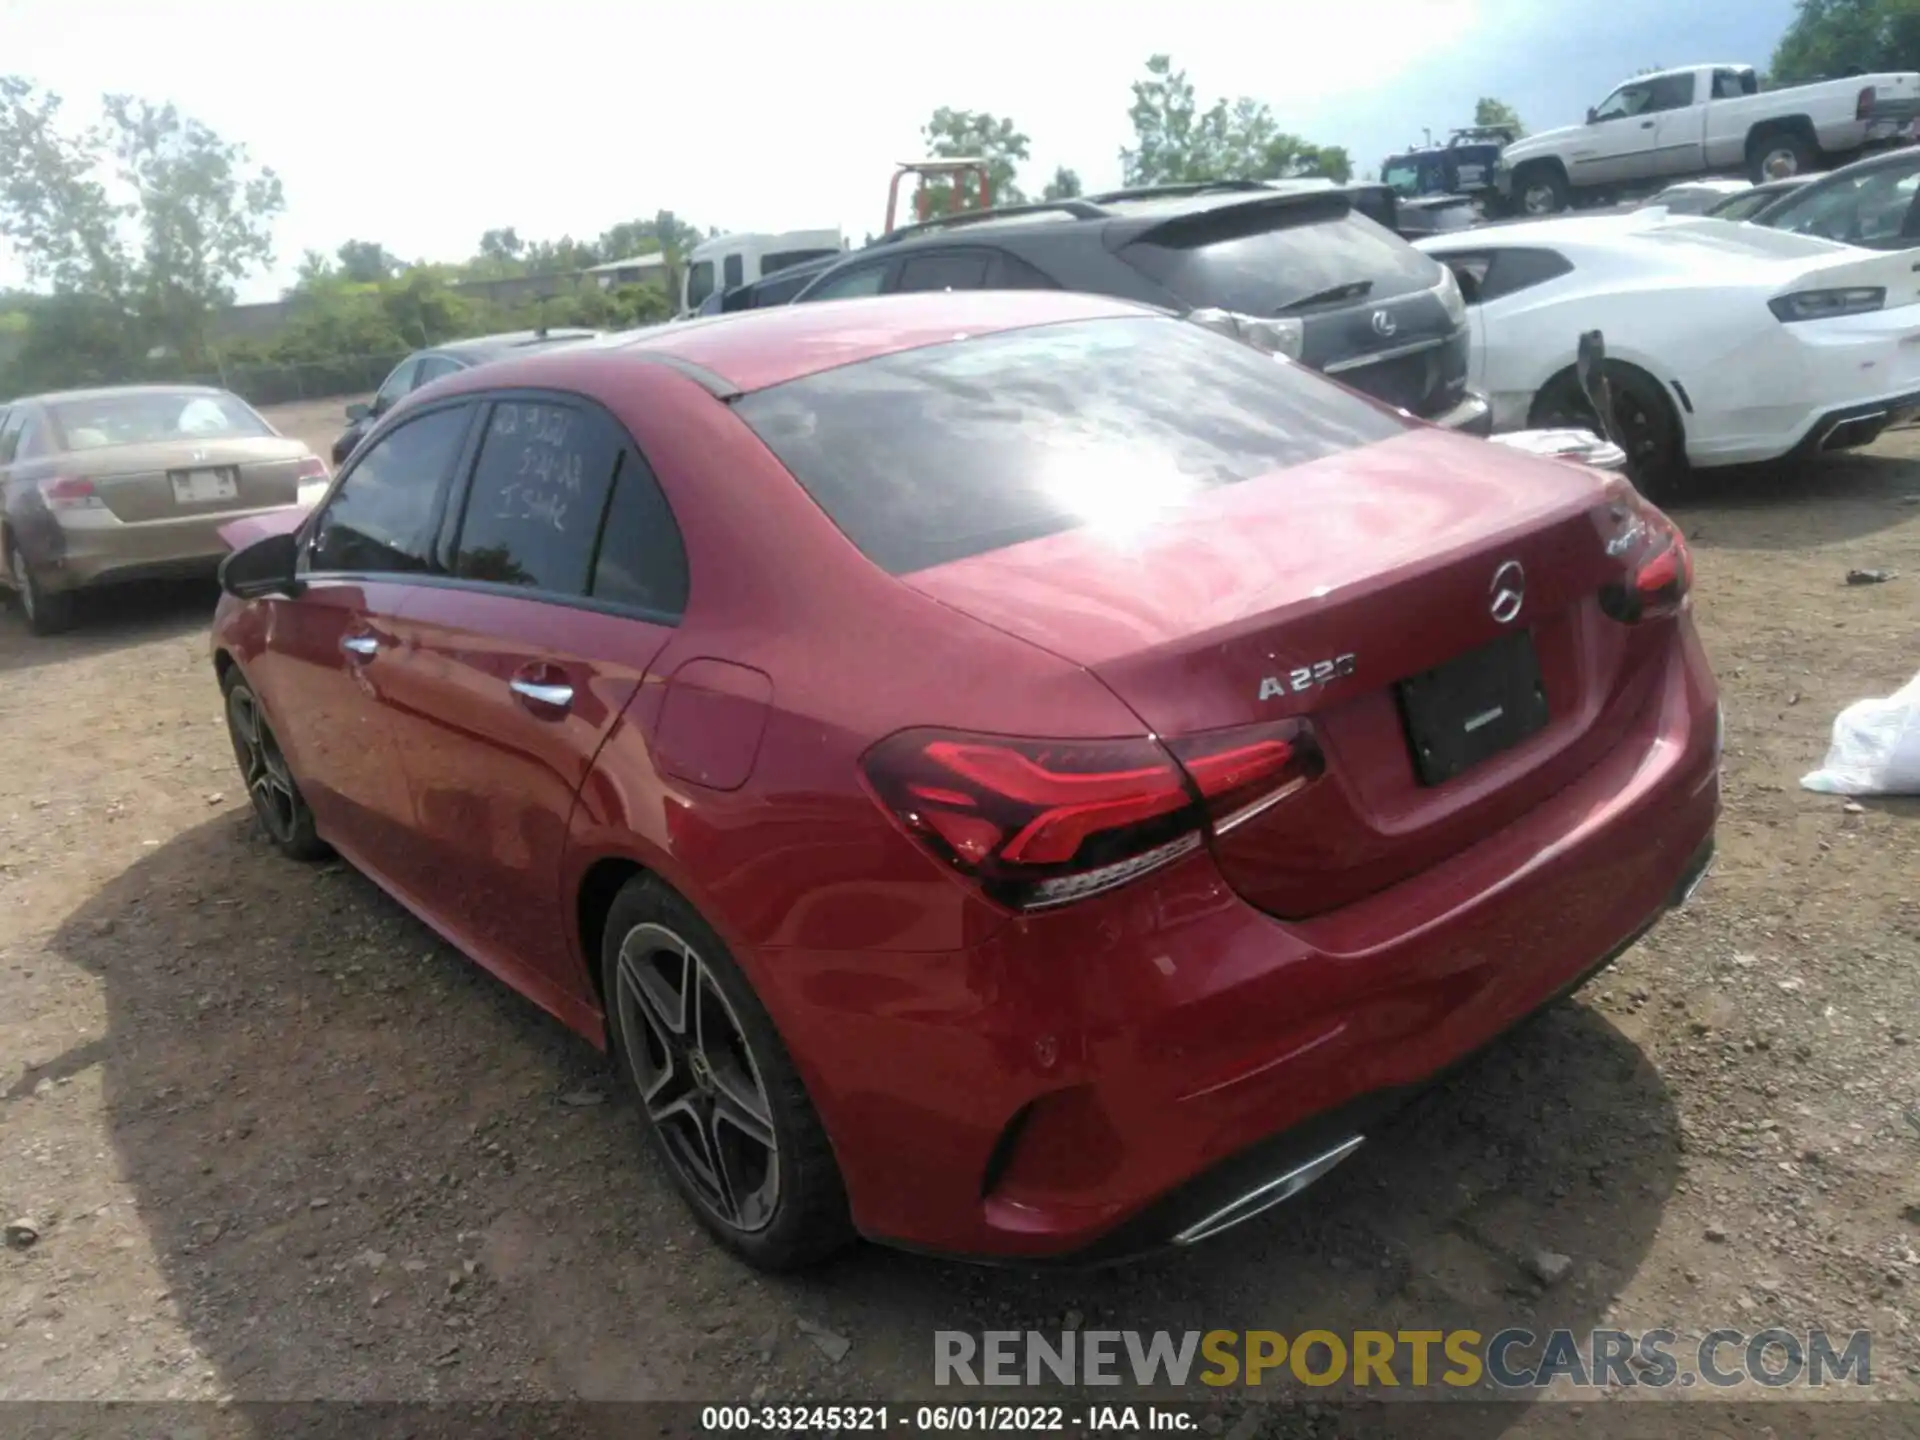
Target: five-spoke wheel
276 797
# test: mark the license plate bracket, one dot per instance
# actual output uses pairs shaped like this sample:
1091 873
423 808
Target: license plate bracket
205 487
1475 706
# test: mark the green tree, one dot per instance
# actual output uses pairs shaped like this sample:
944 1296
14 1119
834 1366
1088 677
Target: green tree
1497 113
363 262
1175 140
1829 37
196 218
969 134
1065 185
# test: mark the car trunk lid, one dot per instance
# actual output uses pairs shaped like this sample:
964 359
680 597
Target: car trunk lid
178 479
1390 595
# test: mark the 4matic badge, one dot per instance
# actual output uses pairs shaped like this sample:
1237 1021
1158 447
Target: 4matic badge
1307 677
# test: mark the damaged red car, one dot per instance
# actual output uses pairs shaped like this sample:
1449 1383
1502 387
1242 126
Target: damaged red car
1013 775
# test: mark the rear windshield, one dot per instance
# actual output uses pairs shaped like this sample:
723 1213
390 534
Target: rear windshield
937 454
1256 268
144 417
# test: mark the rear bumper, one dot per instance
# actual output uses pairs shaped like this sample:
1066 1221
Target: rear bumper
91 547
1105 1079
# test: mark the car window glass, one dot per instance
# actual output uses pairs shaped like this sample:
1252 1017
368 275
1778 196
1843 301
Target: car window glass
1726 85
432 367
1627 100
1248 264
10 434
642 561
938 453
396 384
31 443
1010 272
864 280
699 283
777 290
381 517
1862 209
953 270
734 270
538 491
1669 92
1521 269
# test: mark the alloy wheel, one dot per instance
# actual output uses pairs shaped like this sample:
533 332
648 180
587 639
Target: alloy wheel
698 1079
269 781
1538 200
1780 164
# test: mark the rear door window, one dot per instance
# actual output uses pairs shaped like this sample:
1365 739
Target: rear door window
945 270
846 284
432 368
562 503
935 454
1252 266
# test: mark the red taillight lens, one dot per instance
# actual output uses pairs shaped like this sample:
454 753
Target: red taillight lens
1242 772
1039 823
69 493
1863 107
1659 566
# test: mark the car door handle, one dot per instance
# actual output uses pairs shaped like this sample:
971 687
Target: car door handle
365 646
557 697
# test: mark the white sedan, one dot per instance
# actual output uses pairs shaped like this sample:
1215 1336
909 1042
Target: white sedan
1726 343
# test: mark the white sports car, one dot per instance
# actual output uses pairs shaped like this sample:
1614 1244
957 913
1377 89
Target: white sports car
1726 343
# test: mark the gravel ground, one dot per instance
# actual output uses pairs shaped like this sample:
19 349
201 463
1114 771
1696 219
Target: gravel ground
279 1142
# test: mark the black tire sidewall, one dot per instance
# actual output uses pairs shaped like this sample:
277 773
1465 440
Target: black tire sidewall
1660 484
810 1219
45 614
304 844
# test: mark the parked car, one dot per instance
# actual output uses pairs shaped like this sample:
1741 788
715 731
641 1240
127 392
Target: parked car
131 483
778 288
1675 124
1870 203
1728 343
423 367
1465 165
1694 197
1745 203
971 757
1294 268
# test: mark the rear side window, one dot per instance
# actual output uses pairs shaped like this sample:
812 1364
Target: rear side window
862 280
1506 272
953 270
533 508
777 290
381 519
935 454
562 503
732 271
1251 266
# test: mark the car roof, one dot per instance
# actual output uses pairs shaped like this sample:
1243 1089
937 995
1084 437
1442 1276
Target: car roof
1150 204
1693 245
750 350
102 392
487 347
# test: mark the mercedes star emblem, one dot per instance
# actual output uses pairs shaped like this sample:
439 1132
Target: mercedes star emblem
1509 591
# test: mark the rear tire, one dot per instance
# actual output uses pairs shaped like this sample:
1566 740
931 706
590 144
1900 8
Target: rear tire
45 613
277 802
723 1104
1778 154
1655 442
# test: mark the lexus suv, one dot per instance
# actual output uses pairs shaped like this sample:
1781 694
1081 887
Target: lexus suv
1292 267
1015 775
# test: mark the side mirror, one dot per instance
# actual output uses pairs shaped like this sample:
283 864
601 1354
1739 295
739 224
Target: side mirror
1593 115
358 411
266 567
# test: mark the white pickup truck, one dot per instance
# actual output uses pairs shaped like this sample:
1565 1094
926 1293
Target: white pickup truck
1675 124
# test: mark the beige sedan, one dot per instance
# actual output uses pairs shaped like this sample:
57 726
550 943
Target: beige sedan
132 483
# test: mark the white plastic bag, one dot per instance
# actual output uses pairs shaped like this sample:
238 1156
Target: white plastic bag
1876 747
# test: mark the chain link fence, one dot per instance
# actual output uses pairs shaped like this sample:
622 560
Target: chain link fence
308 380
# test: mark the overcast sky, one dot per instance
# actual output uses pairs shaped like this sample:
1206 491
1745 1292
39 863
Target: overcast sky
420 123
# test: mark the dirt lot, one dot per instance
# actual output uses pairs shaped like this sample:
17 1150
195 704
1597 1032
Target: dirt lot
279 1142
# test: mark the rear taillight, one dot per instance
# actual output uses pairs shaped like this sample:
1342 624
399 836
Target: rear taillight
1658 564
70 493
1863 106
1828 304
1276 335
1039 823
312 480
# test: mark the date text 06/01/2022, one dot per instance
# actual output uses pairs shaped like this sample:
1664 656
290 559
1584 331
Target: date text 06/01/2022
924 1419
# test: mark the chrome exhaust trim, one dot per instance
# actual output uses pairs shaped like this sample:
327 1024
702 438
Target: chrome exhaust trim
1267 1195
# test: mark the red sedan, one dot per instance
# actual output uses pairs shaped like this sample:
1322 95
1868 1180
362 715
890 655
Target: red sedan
1009 775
